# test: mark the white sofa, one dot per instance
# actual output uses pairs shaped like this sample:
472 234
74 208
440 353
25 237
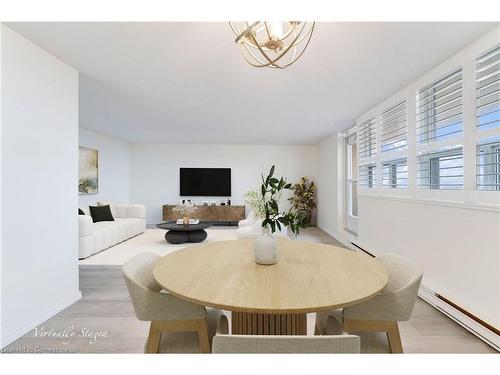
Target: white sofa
130 220
249 221
251 227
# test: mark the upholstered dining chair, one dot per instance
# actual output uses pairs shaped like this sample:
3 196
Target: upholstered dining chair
383 312
177 326
225 343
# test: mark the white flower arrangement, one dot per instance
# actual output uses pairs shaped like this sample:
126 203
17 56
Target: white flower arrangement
255 200
185 209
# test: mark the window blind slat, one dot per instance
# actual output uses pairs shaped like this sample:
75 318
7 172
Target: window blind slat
441 169
367 138
367 175
393 127
395 173
488 164
488 90
439 109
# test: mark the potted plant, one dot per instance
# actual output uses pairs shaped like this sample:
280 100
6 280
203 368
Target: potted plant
266 251
185 209
303 198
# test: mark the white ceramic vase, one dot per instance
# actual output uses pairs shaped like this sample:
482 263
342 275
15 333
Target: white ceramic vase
266 250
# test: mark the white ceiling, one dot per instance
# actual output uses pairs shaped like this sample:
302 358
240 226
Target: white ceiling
188 83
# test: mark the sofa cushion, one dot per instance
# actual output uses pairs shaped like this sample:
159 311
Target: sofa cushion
80 212
101 213
85 225
111 207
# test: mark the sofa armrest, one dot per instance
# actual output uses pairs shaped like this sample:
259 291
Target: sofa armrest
137 211
85 225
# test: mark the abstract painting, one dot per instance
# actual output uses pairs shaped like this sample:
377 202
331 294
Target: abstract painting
87 171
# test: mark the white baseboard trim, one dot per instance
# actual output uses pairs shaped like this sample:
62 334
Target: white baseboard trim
477 329
21 331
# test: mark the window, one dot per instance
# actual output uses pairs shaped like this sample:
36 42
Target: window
393 125
439 109
488 90
367 175
352 174
395 173
367 135
488 164
441 169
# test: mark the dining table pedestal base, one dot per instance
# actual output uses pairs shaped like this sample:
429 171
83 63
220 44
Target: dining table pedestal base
243 323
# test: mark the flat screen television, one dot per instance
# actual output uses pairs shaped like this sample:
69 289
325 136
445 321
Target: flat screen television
205 182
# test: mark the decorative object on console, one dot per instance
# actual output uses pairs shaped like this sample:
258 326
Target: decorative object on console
266 250
205 203
213 203
87 171
186 210
228 202
101 213
303 198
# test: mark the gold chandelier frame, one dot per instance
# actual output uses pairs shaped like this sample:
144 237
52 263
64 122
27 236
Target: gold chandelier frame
273 50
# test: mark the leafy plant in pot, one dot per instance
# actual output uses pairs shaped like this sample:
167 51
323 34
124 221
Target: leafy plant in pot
266 250
303 198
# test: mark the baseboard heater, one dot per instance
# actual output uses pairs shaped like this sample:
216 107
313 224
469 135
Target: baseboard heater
363 250
478 327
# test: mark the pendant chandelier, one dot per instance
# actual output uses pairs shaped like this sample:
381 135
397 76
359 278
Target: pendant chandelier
274 45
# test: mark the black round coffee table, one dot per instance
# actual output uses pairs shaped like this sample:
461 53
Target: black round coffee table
180 233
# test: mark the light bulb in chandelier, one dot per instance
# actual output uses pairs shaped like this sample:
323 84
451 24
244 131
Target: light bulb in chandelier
272 44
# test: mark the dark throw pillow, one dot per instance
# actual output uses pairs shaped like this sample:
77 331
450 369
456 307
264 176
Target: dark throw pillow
80 212
101 213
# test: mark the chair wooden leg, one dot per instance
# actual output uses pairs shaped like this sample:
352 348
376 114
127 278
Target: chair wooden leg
153 343
394 338
157 327
203 336
389 327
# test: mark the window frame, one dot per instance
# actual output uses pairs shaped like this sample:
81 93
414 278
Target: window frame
394 178
435 158
492 166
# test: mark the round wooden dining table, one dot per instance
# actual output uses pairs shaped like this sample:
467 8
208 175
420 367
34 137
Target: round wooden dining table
270 300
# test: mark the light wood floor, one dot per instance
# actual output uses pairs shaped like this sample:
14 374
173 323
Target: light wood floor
106 311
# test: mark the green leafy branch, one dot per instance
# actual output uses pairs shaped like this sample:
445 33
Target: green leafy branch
271 189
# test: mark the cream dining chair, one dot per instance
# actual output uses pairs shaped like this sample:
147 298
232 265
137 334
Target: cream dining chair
382 312
177 326
225 343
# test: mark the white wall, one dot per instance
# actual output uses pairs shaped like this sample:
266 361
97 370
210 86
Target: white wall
455 235
154 169
39 158
113 169
459 247
329 195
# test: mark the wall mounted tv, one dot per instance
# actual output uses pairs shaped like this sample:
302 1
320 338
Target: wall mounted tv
205 182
